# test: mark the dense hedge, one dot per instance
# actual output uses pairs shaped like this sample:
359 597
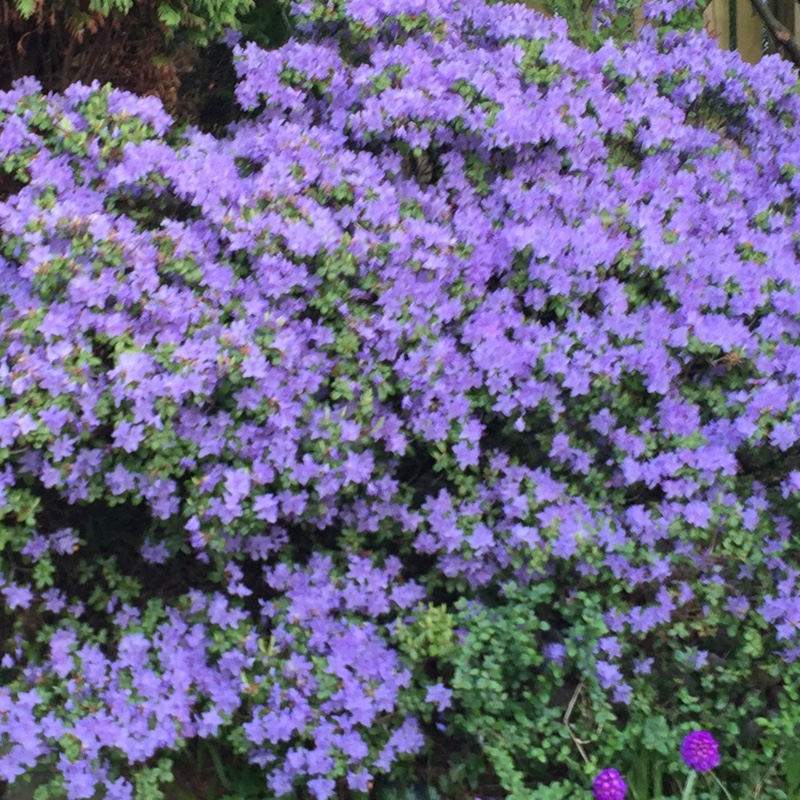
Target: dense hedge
445 407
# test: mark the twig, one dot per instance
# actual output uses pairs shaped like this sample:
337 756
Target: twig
577 742
760 784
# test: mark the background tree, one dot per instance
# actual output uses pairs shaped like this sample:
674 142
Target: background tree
146 47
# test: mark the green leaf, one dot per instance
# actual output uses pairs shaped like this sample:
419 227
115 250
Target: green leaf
26 8
791 770
656 735
169 16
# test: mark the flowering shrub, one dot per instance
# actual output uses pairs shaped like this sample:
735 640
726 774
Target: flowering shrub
450 396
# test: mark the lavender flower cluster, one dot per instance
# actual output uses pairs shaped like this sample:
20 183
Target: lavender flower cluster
456 303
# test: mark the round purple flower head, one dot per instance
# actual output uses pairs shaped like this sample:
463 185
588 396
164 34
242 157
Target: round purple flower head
609 785
700 751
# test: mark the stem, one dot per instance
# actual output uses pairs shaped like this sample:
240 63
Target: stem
687 791
719 782
219 768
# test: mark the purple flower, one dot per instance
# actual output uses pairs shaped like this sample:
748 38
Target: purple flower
555 652
128 436
321 788
608 674
643 666
17 596
609 785
154 553
623 694
700 751
439 694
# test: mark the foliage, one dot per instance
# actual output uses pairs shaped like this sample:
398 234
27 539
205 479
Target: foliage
148 47
449 396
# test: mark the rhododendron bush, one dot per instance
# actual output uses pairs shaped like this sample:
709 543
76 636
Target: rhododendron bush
447 404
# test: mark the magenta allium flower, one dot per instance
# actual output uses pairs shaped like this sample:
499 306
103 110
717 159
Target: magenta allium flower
700 751
609 785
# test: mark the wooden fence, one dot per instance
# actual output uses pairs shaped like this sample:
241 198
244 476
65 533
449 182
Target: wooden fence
736 25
